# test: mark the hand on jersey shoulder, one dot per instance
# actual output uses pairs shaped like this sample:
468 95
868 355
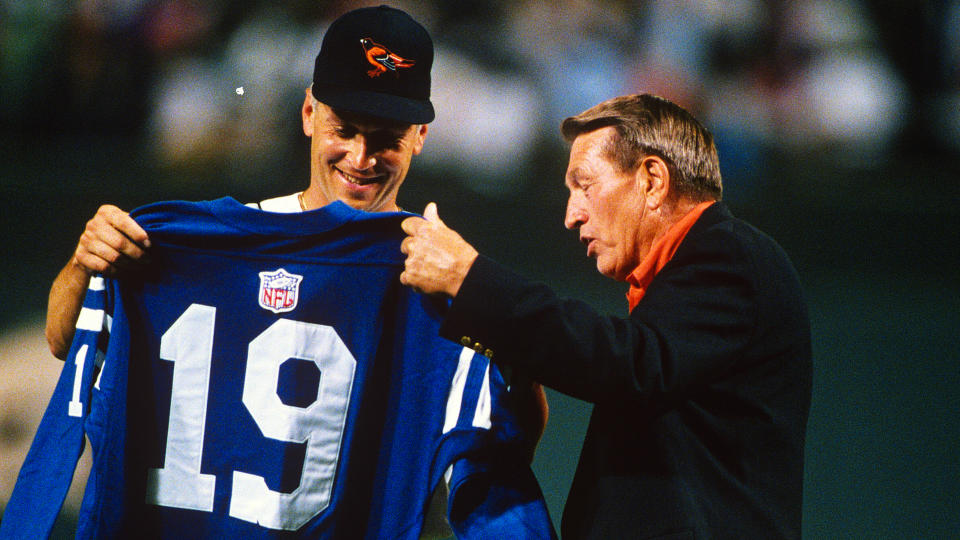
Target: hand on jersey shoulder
438 258
111 243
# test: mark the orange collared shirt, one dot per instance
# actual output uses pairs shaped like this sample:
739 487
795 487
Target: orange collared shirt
660 254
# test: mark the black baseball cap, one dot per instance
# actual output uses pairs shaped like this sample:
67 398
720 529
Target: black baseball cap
376 61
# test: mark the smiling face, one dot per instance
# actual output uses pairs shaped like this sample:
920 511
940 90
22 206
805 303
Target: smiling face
607 206
359 160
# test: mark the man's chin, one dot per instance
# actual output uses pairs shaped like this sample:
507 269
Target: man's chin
376 205
367 204
607 270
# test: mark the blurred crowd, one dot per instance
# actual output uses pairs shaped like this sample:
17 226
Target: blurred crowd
219 82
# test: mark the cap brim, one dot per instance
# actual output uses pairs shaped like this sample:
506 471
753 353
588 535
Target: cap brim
387 106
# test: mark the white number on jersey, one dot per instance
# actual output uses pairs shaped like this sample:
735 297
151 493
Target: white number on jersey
189 345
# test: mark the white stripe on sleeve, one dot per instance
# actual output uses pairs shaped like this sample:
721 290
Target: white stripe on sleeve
455 399
90 319
481 417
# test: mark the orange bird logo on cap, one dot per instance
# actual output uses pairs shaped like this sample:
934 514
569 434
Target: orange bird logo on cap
382 59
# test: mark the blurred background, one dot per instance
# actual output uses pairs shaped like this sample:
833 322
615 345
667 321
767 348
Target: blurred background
838 125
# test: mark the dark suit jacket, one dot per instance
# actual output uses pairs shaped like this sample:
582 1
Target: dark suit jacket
700 396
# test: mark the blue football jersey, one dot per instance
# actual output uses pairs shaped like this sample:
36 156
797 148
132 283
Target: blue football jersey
269 377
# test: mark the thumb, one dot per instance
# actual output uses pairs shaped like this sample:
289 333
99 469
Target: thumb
430 213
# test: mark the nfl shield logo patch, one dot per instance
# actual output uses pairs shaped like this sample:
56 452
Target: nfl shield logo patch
279 290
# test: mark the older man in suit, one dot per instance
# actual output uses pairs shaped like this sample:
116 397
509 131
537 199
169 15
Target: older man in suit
701 394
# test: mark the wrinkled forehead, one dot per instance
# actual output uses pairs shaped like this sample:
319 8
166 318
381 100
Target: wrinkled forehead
590 154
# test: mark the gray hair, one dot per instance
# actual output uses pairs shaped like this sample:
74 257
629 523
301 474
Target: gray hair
650 125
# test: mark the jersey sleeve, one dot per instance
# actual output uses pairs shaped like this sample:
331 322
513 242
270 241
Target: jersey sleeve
47 471
493 492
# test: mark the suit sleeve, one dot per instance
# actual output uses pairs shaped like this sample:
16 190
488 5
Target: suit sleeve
697 317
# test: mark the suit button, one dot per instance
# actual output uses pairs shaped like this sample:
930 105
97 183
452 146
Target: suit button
488 353
466 341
